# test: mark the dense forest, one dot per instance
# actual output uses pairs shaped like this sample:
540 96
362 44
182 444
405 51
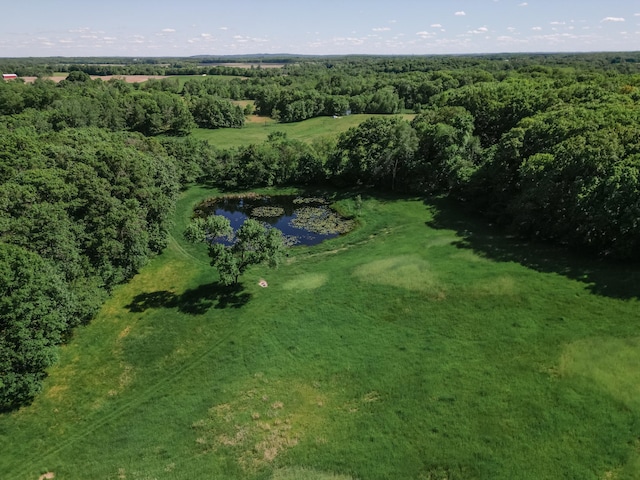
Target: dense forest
546 146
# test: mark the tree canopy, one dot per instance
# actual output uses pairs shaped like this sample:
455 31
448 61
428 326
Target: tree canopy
252 244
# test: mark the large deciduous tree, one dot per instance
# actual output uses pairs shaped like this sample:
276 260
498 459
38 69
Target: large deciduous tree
378 152
253 244
36 310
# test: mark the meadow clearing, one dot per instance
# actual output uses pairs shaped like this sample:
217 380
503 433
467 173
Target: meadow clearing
421 345
257 129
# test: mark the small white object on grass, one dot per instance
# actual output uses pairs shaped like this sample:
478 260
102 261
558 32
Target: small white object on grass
263 283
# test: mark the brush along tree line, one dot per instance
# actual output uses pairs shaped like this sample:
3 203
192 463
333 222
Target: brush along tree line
548 147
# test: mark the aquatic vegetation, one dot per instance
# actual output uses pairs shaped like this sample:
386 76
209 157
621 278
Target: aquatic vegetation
321 220
307 200
303 220
267 211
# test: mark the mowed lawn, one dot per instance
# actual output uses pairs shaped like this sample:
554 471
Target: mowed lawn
257 129
423 345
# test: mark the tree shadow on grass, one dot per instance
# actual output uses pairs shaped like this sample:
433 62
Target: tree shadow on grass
195 301
602 276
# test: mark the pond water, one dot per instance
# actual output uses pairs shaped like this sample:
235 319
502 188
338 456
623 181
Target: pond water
302 220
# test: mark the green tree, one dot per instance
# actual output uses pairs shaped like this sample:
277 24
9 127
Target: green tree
254 244
376 152
448 152
36 310
215 112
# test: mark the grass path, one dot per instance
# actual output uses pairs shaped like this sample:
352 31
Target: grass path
422 345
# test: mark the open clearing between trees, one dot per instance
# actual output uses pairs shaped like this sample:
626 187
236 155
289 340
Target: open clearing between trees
421 345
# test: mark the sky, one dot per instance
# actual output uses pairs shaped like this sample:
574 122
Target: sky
142 28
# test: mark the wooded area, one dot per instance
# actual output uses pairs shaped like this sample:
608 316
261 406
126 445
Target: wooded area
546 146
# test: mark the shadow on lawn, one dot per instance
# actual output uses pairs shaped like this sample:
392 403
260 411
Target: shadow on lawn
195 301
602 276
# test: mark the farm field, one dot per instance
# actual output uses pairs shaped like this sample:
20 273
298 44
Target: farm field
422 345
257 129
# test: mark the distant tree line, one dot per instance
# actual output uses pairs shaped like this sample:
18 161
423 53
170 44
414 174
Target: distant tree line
623 62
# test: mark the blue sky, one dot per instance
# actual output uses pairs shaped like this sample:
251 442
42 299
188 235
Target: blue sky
193 27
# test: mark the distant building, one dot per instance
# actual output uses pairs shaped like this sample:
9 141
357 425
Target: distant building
9 76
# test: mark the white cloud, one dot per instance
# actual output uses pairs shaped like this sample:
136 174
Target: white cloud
479 30
523 4
557 23
244 39
224 28
537 29
168 30
436 25
612 19
381 29
460 14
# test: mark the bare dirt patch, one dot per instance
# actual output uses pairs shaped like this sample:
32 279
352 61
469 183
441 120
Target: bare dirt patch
262 422
260 119
47 476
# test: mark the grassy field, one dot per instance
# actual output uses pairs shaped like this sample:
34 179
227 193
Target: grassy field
423 345
257 129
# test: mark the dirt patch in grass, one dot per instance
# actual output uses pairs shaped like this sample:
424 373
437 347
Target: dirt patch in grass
124 333
262 422
259 119
57 392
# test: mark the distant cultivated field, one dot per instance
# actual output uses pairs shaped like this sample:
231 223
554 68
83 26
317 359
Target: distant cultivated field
422 345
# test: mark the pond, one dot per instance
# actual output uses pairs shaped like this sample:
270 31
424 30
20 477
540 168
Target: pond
302 220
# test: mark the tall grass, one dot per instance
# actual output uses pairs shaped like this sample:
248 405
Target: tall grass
421 345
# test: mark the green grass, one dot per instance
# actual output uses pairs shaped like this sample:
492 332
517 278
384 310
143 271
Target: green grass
422 345
257 129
